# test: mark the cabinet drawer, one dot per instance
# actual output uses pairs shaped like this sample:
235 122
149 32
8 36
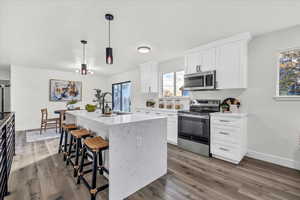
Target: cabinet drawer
226 121
231 135
225 151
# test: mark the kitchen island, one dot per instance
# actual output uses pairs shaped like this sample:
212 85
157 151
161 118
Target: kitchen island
137 152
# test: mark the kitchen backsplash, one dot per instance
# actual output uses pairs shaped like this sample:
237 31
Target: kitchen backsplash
214 94
221 95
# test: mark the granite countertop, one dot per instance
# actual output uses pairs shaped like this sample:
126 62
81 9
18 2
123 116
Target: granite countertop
159 109
115 119
5 118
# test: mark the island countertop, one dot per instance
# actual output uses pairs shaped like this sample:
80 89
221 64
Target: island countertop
115 119
137 153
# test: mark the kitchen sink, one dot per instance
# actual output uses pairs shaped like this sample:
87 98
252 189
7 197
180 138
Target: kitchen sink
122 113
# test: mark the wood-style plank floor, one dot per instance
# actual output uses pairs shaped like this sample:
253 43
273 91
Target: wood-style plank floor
40 174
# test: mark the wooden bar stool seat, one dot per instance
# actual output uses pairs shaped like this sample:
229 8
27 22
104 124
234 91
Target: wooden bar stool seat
69 126
76 135
95 146
96 143
80 133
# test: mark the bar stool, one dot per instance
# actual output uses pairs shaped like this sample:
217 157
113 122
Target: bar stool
76 135
64 136
95 146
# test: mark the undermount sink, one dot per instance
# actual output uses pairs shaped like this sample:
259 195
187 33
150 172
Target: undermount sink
114 114
122 113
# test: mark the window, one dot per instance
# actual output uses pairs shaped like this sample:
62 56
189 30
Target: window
289 74
172 84
121 93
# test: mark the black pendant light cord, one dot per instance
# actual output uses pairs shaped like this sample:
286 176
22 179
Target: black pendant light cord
108 33
83 54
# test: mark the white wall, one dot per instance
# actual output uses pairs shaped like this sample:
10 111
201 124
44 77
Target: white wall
138 99
30 93
4 74
273 126
134 77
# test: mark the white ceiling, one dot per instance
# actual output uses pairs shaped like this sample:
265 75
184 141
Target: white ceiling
47 33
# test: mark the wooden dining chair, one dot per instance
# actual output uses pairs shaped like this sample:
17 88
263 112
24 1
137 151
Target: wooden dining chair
48 122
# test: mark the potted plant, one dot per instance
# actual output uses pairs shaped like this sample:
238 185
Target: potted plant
225 107
71 103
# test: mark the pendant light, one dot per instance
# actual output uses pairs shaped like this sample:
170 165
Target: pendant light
84 70
109 50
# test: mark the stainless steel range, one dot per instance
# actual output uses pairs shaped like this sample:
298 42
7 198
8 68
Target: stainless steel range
194 126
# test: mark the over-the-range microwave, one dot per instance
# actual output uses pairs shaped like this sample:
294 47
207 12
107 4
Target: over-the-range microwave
200 81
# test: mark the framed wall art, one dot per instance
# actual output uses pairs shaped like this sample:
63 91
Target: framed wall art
62 90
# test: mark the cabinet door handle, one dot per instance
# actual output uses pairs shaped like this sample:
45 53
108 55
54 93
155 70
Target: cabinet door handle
221 120
198 68
224 133
223 149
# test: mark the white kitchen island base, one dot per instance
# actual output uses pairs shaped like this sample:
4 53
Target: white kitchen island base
137 152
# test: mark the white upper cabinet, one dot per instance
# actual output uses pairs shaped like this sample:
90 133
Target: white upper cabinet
231 64
149 77
204 60
228 57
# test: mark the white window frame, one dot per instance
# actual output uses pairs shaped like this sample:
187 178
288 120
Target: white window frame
161 84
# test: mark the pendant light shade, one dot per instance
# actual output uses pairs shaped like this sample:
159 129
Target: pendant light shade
109 50
109 56
83 69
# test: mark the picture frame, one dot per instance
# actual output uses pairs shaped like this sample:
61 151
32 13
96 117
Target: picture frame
64 90
288 74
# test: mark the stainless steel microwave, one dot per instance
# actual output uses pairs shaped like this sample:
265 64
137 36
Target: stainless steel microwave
200 81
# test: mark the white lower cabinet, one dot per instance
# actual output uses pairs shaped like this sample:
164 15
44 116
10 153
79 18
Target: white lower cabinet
229 136
172 122
172 128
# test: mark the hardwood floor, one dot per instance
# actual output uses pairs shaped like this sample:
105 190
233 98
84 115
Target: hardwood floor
40 174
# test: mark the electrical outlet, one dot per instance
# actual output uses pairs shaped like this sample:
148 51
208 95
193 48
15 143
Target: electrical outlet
139 141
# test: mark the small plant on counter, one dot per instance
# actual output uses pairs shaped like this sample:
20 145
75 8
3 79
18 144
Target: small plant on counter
98 97
71 103
224 107
90 108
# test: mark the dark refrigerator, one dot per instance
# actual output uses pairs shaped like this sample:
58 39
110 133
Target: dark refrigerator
4 97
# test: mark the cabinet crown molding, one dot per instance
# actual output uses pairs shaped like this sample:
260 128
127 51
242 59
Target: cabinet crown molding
242 36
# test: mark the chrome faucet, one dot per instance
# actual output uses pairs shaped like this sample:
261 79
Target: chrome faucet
103 101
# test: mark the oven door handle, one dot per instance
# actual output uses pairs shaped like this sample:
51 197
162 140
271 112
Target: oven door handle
193 116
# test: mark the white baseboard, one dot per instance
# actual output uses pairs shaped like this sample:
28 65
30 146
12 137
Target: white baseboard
172 142
274 159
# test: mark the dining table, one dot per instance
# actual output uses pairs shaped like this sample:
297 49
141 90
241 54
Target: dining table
61 114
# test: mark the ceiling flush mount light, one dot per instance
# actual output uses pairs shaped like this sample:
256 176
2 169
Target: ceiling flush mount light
144 49
84 70
109 50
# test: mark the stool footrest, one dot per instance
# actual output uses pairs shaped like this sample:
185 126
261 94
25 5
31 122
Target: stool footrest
86 172
105 170
88 163
99 189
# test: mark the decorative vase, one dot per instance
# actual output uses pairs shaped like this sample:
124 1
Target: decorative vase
70 106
